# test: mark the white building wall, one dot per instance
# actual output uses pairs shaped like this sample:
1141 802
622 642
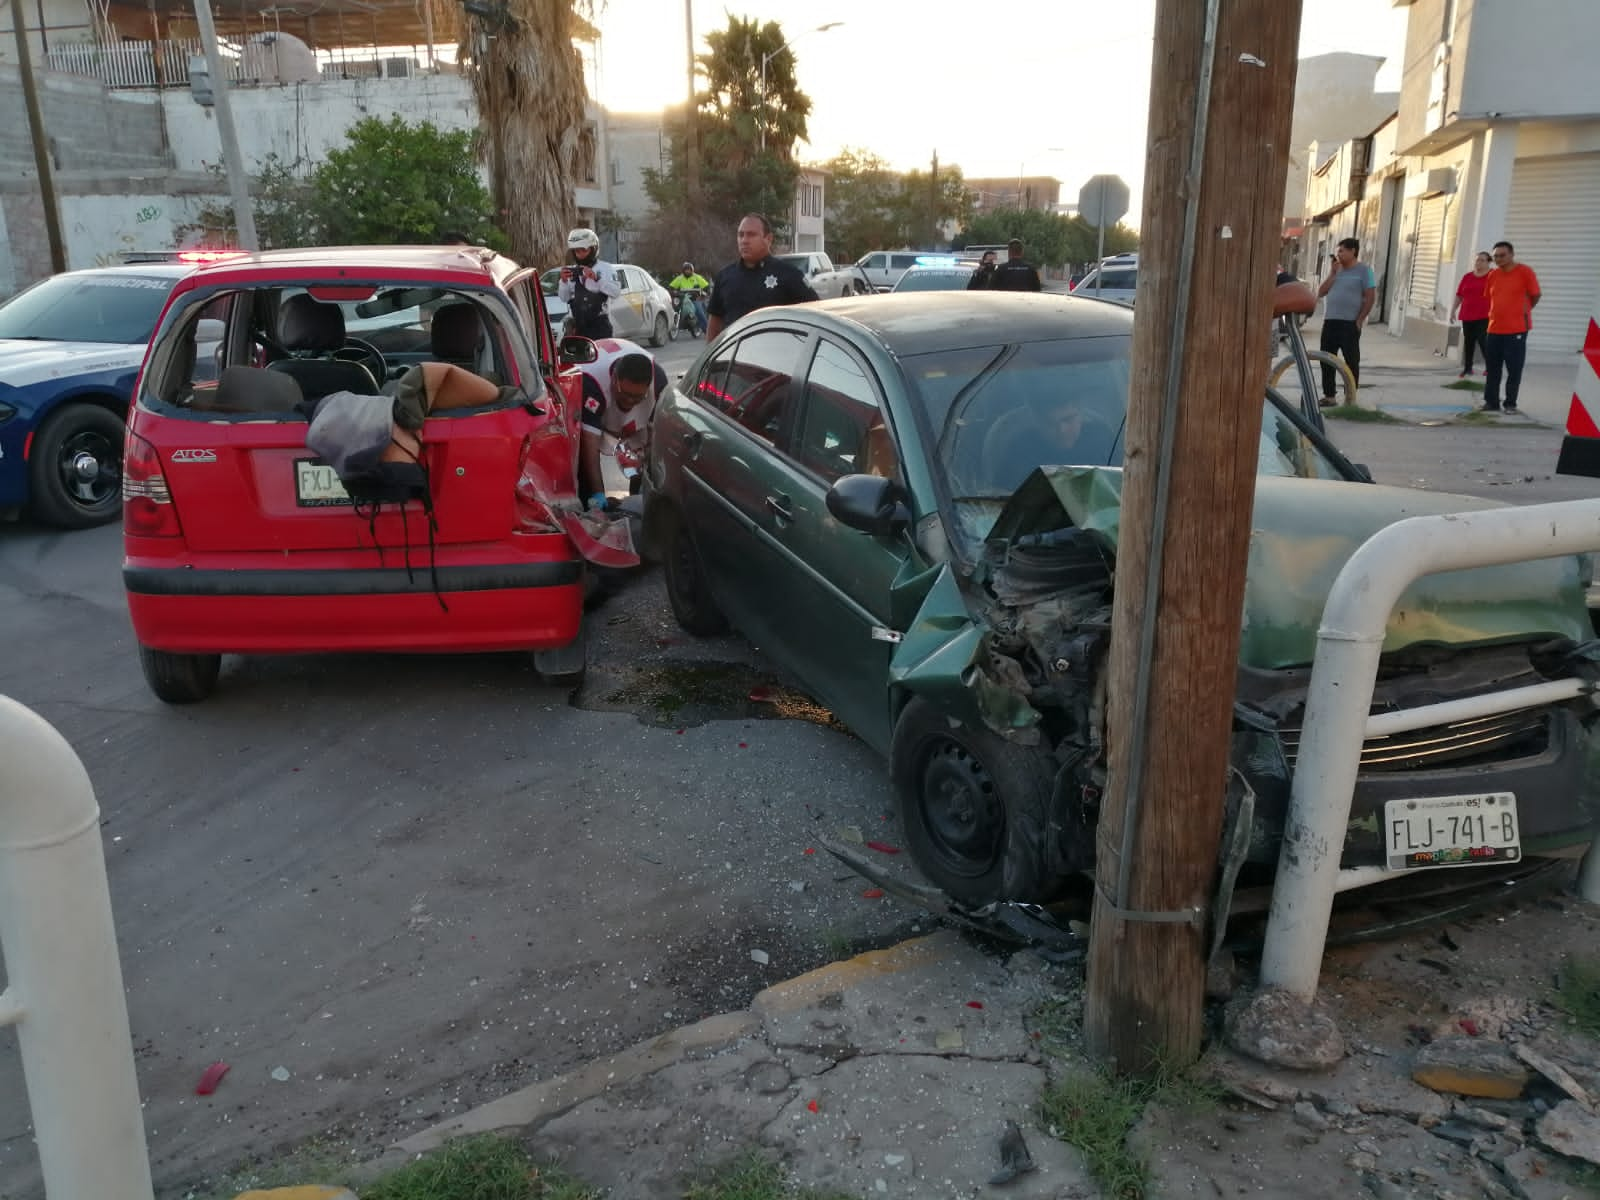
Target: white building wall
1333 102
64 21
1529 59
301 122
97 229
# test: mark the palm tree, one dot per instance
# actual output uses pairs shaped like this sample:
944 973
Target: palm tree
528 79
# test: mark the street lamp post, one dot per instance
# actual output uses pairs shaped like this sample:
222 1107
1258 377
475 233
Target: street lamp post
766 58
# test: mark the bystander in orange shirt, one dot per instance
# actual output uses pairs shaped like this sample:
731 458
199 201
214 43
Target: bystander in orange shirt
1509 293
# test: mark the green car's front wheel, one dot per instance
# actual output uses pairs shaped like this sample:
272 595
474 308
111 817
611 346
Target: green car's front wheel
687 591
974 807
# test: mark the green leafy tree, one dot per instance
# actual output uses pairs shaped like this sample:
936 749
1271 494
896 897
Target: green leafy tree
280 201
871 207
1050 238
401 183
746 135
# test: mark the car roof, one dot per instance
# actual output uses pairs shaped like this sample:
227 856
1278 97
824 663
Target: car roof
490 267
156 270
921 322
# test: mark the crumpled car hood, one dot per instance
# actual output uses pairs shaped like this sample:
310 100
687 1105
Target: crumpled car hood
1303 531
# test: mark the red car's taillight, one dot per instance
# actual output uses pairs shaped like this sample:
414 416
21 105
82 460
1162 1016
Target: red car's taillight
147 509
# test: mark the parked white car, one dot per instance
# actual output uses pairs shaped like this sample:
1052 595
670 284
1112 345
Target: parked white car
1116 278
643 313
883 268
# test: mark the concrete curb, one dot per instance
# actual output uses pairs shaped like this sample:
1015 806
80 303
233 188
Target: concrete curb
539 1103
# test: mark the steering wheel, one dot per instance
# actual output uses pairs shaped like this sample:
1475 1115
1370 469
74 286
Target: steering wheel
357 351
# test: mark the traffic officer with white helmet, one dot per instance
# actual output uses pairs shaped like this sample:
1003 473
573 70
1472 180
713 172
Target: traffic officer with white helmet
588 285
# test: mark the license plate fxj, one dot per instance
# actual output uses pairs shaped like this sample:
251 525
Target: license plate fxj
316 485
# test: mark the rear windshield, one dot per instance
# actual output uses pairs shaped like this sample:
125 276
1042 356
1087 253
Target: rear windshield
88 308
325 342
936 280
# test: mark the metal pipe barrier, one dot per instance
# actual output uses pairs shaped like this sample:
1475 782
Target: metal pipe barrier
1338 703
64 981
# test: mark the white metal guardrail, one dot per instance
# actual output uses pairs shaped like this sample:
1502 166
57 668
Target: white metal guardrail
1339 700
64 981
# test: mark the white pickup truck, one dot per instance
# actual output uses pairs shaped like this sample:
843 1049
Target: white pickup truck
827 280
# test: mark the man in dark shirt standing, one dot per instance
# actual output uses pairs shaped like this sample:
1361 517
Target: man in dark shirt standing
1015 274
757 280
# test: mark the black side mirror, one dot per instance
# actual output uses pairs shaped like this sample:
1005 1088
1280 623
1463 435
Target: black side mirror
576 350
1364 471
869 503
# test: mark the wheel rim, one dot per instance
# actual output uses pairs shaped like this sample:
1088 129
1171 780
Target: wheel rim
961 809
90 468
661 328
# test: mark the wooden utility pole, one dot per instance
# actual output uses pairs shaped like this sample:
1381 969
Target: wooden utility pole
41 147
1222 92
244 220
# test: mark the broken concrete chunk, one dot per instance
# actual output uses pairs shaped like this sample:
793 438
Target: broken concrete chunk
1385 1096
1470 1067
1307 1115
948 1039
759 956
1277 1028
1573 1130
1555 1074
1533 1176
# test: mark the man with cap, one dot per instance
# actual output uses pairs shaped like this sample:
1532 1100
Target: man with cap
755 280
689 280
588 285
1015 274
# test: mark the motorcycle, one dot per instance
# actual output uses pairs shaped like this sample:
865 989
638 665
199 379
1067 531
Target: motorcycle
687 316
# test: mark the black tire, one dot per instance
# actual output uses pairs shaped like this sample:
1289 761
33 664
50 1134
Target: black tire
179 678
674 326
687 592
974 808
75 469
658 335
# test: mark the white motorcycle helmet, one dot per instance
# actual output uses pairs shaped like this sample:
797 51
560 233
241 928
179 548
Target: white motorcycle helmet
583 239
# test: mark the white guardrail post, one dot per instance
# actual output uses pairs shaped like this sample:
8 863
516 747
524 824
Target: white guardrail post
1339 699
63 979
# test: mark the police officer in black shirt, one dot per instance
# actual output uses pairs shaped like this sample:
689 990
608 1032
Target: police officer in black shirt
757 280
1015 275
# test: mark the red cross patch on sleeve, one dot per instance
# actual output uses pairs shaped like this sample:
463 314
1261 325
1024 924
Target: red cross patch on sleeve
591 405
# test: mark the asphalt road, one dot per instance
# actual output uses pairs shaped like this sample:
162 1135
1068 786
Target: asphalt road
417 883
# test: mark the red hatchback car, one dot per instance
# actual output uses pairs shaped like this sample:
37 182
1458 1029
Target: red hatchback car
240 539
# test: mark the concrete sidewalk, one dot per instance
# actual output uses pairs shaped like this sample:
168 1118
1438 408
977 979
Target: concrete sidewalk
893 1073
1408 378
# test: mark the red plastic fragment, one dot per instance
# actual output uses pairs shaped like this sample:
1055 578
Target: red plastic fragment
814 1106
974 1004
209 1080
809 850
680 731
883 848
744 745
1469 1027
872 894
761 693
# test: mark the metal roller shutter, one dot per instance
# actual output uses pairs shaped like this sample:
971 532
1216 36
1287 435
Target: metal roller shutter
1425 255
1554 222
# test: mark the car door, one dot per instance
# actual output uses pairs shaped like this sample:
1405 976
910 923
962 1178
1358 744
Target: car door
627 310
839 579
741 412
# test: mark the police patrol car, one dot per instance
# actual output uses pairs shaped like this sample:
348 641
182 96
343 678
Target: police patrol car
70 351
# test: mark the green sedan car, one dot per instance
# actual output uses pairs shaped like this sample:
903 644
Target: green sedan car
911 503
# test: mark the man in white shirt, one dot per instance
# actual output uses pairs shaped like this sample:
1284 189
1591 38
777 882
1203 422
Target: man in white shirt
620 391
588 285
